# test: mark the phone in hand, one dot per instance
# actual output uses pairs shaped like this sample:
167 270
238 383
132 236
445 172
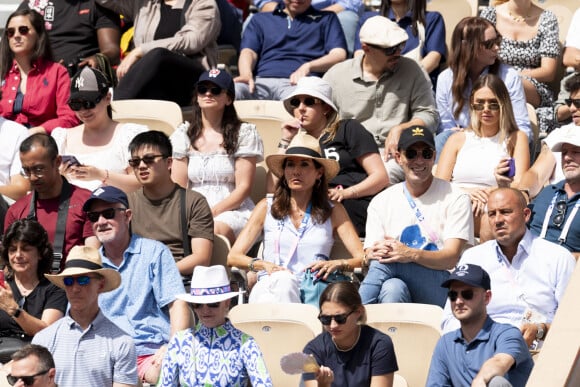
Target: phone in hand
2 282
71 160
512 168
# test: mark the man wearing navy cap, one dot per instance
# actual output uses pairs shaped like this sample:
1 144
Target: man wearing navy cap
482 352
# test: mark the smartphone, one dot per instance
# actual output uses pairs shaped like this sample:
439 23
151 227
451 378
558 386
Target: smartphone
72 160
2 282
512 170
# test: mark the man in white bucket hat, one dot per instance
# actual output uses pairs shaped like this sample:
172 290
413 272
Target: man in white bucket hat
88 349
215 352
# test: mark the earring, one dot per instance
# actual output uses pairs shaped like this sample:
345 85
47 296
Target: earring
318 182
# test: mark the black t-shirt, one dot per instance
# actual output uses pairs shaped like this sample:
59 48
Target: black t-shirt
72 26
44 296
169 22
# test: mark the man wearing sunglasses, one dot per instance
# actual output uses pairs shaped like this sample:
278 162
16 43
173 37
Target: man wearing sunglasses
383 90
32 365
87 347
161 199
529 275
481 352
146 303
415 230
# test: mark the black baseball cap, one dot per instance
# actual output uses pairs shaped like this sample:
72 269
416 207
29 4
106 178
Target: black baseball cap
416 134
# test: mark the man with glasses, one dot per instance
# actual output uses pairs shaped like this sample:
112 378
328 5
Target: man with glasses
32 365
528 274
162 199
54 202
146 303
88 349
481 352
383 90
415 230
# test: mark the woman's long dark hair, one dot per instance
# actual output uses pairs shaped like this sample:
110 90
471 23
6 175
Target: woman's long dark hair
230 125
31 233
41 49
321 209
417 8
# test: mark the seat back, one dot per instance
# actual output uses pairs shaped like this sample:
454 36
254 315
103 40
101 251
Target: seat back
279 329
156 114
415 330
220 251
259 187
452 11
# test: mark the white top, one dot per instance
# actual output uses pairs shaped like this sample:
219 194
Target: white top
11 136
113 157
535 280
573 37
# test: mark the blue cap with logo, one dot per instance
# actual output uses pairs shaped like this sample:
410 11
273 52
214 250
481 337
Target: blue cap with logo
107 194
469 274
219 78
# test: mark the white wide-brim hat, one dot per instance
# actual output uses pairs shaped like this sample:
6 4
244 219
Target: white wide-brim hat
315 87
209 285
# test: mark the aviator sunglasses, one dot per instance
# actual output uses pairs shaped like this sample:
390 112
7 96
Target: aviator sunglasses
465 294
480 106
79 104
22 30
108 213
214 90
27 380
338 318
426 153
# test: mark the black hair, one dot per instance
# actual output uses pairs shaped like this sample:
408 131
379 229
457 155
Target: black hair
44 140
153 138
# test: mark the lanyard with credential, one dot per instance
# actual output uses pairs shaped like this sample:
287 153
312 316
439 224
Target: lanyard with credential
419 215
567 225
301 230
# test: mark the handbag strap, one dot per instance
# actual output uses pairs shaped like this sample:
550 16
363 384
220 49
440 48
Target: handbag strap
301 230
184 234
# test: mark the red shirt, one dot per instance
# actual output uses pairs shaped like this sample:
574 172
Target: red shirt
45 100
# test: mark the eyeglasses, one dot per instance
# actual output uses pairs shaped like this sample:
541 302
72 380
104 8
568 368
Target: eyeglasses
22 30
426 153
560 213
148 160
108 213
575 102
214 90
82 280
307 101
480 106
465 294
388 51
37 171
213 305
491 43
338 318
77 105
27 380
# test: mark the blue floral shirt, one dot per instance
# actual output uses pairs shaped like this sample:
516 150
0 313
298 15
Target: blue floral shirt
221 356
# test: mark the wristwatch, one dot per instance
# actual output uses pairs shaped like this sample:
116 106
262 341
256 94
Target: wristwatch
17 313
541 333
251 265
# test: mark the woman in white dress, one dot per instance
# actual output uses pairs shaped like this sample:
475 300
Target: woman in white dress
100 145
217 154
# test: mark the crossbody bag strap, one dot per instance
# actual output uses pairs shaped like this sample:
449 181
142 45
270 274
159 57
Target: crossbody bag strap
184 234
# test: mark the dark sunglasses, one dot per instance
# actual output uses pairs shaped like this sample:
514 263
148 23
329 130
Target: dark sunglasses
82 280
388 51
560 213
22 30
489 44
214 90
465 294
27 380
108 213
575 102
338 318
77 105
412 154
212 305
480 106
308 101
148 160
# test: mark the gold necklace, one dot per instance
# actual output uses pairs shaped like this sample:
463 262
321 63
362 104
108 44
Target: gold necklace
352 346
518 18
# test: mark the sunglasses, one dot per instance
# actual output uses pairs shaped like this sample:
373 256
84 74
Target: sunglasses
307 101
148 160
575 102
465 294
213 305
388 51
491 43
560 213
108 213
480 106
27 380
82 280
338 318
426 153
214 90
22 30
77 105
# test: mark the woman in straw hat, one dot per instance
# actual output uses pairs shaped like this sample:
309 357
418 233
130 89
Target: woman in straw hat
362 173
214 353
298 223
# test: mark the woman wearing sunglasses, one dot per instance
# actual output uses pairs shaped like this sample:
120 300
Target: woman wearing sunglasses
469 157
35 90
362 173
95 153
217 154
474 52
350 352
214 353
28 301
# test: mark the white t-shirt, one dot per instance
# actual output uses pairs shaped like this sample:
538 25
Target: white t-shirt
11 136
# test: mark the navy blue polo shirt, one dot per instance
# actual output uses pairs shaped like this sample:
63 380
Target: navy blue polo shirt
284 44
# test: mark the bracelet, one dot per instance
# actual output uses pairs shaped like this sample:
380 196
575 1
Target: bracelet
251 265
104 181
282 145
365 261
345 266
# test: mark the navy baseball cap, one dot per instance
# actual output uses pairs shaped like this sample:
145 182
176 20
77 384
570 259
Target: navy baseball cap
469 274
415 134
107 194
219 78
